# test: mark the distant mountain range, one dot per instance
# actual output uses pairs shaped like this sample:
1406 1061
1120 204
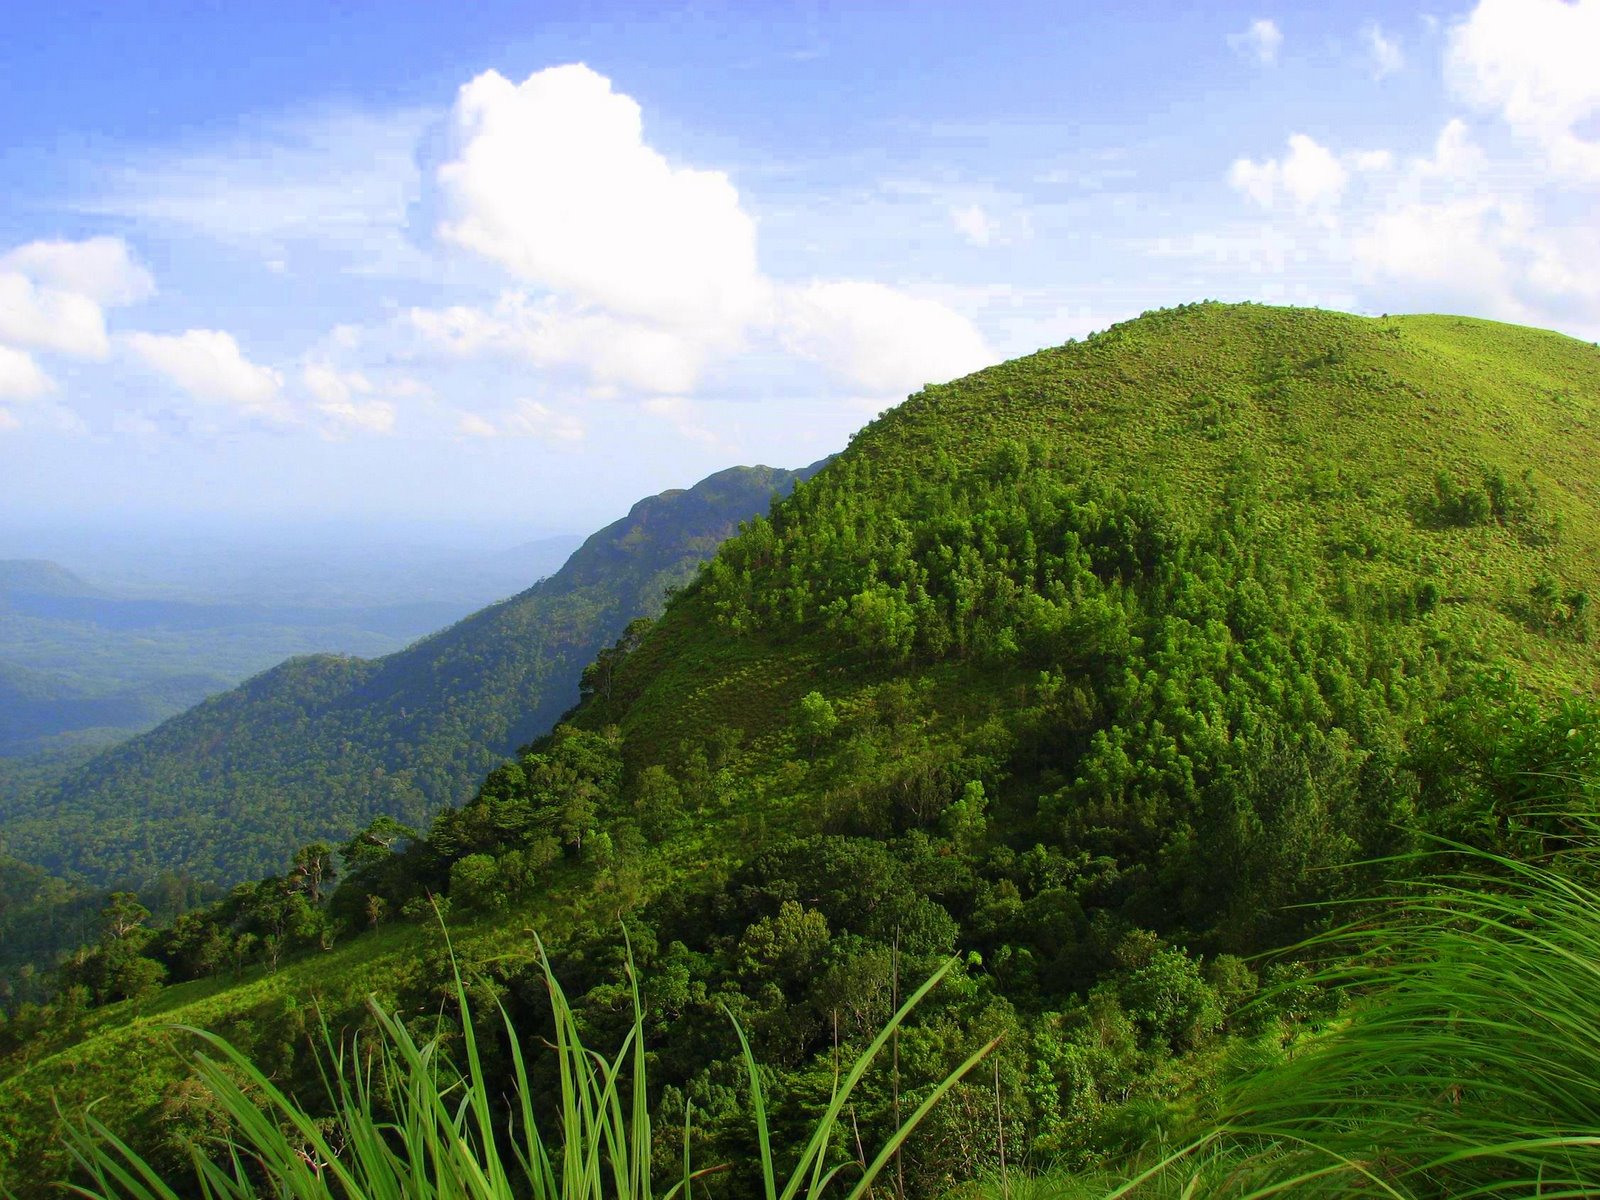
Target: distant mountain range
87 665
318 745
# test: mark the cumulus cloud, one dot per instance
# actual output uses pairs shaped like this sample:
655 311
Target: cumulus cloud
1309 175
637 273
880 339
100 268
209 366
1457 247
1456 157
1532 62
1456 229
1451 227
1383 52
332 386
53 293
552 179
1261 41
20 377
47 319
525 419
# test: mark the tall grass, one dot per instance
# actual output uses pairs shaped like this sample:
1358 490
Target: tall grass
409 1123
1467 1063
1470 1064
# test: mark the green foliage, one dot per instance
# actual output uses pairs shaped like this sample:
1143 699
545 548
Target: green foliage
817 719
1167 996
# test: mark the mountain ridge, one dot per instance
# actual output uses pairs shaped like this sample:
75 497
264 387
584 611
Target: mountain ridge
341 734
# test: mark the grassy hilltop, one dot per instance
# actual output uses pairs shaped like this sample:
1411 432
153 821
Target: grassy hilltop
1094 667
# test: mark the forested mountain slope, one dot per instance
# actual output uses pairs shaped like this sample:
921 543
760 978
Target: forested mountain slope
317 746
1096 668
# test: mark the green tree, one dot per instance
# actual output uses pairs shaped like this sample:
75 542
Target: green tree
967 820
476 883
818 720
314 868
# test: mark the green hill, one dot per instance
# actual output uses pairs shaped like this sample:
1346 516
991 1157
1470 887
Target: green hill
1095 667
318 745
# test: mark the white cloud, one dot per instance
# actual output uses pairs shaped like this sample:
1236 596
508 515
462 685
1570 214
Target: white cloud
1310 175
881 339
1383 52
53 293
612 351
47 319
552 180
208 364
1456 247
20 377
640 272
525 419
1453 226
1534 63
639 275
1261 41
363 416
1456 229
100 269
333 386
336 393
973 224
1456 157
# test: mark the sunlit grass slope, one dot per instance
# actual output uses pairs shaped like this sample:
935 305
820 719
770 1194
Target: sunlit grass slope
1338 426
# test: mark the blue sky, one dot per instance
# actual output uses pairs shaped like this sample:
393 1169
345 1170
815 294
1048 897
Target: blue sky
521 264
